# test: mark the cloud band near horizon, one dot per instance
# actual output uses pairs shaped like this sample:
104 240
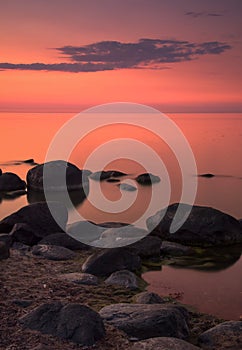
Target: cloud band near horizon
113 55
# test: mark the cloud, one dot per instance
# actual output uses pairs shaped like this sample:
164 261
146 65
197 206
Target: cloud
202 14
112 55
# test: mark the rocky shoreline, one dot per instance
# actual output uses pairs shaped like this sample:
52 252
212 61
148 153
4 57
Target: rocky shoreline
61 293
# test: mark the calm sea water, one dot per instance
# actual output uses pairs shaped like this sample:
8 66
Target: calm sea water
216 141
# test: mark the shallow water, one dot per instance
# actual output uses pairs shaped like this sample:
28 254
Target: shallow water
216 141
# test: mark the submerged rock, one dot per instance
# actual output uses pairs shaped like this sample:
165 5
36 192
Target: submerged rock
75 178
227 335
204 226
38 217
147 321
11 182
73 322
147 179
107 261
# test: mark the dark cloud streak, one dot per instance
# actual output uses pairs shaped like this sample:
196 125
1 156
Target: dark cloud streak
112 55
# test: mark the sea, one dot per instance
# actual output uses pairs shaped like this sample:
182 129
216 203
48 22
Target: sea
177 147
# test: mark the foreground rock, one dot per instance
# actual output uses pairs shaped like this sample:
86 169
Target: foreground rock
54 171
107 261
147 321
227 335
147 247
74 322
163 343
80 278
147 179
85 231
38 217
53 252
64 240
205 226
24 234
4 251
11 182
120 236
148 298
123 278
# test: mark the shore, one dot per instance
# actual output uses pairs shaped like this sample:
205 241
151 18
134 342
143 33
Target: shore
37 281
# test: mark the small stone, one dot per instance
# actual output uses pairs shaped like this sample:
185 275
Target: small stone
80 278
53 252
123 278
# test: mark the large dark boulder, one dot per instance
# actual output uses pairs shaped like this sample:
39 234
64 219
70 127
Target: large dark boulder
38 217
73 322
75 178
11 182
204 226
147 247
53 252
107 261
64 240
147 179
163 343
4 251
147 321
227 335
23 233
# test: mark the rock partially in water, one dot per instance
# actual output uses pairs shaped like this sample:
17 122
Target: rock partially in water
11 182
147 321
107 261
4 251
148 298
123 278
73 322
227 335
53 252
38 217
175 249
104 175
147 179
208 175
204 226
54 172
64 240
80 278
163 343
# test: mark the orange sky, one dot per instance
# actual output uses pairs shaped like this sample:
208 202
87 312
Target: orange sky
31 31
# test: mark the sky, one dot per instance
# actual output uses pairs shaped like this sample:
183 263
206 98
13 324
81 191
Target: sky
67 55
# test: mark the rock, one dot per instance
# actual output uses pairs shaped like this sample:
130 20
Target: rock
121 236
29 161
85 231
175 249
14 194
75 178
148 298
22 248
62 239
53 252
206 175
38 217
127 187
205 226
104 175
73 322
7 239
147 247
11 182
227 335
4 251
113 180
23 233
147 321
1 172
163 343
147 179
123 278
80 278
107 261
